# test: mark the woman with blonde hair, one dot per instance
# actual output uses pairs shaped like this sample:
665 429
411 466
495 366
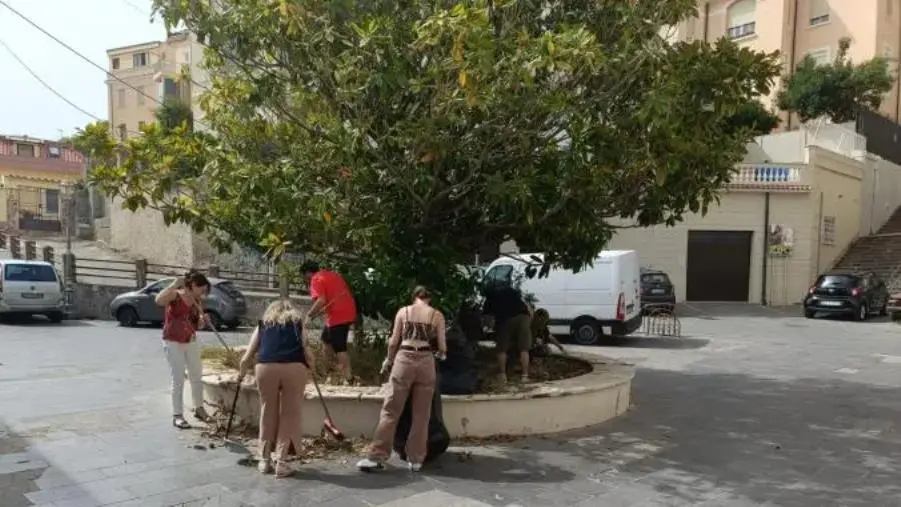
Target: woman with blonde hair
418 337
283 364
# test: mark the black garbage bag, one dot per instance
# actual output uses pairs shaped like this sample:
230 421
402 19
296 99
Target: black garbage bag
439 438
458 370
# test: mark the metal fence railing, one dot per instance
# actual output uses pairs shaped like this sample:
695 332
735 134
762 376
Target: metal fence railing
140 272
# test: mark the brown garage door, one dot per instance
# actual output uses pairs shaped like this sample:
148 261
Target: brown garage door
718 265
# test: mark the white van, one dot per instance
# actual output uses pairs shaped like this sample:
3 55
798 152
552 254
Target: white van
31 288
602 299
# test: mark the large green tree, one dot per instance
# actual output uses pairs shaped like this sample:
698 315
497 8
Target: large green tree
836 90
411 133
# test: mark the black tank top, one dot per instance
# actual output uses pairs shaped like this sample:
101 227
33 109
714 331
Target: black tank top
281 343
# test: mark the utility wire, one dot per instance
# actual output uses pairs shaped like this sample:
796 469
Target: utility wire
46 85
51 88
79 54
135 7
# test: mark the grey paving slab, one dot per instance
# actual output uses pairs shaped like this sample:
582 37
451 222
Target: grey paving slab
753 408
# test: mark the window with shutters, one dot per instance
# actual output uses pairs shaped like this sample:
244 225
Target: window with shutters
820 56
25 150
819 12
121 93
742 19
51 201
140 92
139 60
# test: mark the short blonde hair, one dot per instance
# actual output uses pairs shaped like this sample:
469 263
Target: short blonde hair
281 312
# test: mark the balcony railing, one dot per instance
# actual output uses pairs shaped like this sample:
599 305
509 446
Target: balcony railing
770 178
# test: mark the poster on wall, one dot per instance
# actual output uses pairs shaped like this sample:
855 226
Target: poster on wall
781 240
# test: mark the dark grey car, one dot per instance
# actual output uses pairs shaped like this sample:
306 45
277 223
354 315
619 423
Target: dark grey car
225 304
657 290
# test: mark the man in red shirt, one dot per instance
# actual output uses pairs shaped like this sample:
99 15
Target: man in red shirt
332 296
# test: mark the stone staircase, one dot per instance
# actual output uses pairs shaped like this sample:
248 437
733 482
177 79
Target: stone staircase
879 253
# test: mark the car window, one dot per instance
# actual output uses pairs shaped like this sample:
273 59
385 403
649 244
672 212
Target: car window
499 275
229 289
655 278
842 281
29 273
158 286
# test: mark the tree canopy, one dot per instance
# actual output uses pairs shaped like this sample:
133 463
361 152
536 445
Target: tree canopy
835 90
404 136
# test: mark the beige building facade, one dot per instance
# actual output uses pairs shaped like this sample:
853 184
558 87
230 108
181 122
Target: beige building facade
143 76
777 227
797 28
793 209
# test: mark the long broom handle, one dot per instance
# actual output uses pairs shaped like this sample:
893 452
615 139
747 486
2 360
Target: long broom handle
213 327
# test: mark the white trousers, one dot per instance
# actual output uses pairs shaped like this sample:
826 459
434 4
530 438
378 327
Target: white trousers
183 356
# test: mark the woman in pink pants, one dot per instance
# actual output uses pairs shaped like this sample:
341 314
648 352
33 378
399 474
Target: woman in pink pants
417 338
283 365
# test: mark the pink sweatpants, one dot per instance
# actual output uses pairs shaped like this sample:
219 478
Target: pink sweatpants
281 387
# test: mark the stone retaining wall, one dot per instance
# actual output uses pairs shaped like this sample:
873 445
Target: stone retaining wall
92 301
549 407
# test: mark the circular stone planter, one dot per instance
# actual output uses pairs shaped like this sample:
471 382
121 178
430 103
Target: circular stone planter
548 407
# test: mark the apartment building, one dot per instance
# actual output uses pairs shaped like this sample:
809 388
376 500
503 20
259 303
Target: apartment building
146 74
797 28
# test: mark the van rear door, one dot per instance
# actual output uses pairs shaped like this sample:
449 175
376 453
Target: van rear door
27 285
630 276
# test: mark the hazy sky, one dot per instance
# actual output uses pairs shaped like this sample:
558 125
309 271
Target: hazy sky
89 26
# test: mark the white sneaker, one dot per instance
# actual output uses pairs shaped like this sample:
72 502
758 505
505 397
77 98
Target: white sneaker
265 466
368 465
414 467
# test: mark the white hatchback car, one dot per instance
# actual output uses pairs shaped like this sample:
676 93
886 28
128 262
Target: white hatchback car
31 288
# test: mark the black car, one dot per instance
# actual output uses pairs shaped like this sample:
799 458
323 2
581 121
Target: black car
657 290
854 294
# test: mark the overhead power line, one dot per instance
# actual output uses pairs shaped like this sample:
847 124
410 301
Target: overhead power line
79 54
46 85
50 88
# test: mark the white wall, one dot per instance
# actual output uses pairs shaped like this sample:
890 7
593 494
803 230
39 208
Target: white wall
791 147
880 193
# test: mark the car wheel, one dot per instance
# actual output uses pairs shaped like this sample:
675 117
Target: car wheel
810 314
862 313
56 317
896 316
127 316
586 332
215 320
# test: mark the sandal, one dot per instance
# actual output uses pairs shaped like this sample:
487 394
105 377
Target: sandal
179 422
265 466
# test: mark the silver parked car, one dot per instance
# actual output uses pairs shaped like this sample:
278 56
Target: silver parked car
31 288
225 304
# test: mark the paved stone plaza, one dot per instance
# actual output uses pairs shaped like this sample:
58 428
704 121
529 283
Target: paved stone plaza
750 408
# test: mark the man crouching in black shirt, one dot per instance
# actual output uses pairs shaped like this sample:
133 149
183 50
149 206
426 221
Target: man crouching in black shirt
512 325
